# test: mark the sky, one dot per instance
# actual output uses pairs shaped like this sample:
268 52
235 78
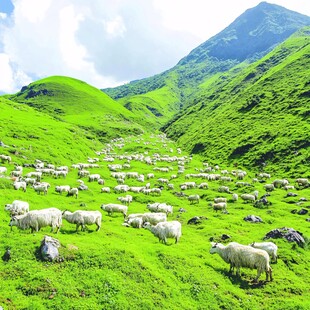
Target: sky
108 42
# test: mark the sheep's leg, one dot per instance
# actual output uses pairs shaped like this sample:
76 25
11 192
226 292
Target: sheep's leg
77 227
98 227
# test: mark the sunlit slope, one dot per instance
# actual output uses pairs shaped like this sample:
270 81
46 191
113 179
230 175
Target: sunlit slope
256 116
79 103
30 135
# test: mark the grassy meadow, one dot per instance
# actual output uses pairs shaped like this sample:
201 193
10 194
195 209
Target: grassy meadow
126 268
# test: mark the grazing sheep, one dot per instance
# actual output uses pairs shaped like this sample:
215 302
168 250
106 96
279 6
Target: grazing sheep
235 197
126 200
238 255
193 198
3 170
121 188
280 183
93 177
83 218
248 197
101 181
220 206
20 185
302 182
62 188
105 190
269 187
5 158
224 189
220 199
203 185
83 173
269 247
60 173
35 174
160 207
17 207
113 207
73 192
40 188
154 218
164 230
134 221
36 219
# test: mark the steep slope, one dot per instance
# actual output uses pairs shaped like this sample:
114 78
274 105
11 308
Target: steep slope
257 116
78 103
30 134
251 36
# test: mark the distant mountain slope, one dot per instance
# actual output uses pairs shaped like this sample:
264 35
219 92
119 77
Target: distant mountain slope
30 135
251 36
256 116
76 102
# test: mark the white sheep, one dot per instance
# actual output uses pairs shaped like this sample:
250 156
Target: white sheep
40 188
5 158
134 221
203 185
17 207
269 187
126 200
93 177
62 188
248 197
113 207
238 255
235 197
224 189
302 181
3 170
160 207
269 247
154 218
164 230
83 218
73 192
193 198
20 185
122 188
220 206
36 219
105 190
220 199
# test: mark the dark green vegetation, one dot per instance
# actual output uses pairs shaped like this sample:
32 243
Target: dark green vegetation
126 268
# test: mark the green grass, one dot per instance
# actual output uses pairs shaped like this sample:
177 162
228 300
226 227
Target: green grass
122 268
256 115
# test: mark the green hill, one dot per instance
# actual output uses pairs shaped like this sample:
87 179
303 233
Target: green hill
251 36
76 102
255 116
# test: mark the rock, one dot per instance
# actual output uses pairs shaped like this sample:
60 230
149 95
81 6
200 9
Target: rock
49 248
303 199
225 237
7 255
294 211
290 234
181 210
302 212
290 194
253 219
196 220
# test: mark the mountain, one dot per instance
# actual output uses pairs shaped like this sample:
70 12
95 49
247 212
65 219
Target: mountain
254 116
75 102
251 36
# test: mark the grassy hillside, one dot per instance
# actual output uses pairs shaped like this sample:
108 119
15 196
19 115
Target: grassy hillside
76 102
251 36
30 134
126 268
255 116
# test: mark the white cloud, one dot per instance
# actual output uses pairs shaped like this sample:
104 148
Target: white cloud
106 42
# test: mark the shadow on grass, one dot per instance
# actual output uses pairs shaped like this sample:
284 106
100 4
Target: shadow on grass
239 280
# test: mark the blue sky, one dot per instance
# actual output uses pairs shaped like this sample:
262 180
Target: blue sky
6 6
108 42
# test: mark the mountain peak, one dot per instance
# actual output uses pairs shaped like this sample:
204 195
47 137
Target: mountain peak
252 35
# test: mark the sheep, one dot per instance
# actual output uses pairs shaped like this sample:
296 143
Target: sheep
3 170
62 188
93 177
203 185
40 188
83 173
20 185
193 198
30 180
224 189
170 186
269 187
126 200
154 218
35 174
287 187
164 230
302 182
189 184
101 181
83 218
156 191
121 188
269 247
238 255
60 173
113 207
160 207
105 190
17 207
280 183
220 199
36 219
150 176
220 206
134 220
248 197
235 197
16 173
73 192
5 158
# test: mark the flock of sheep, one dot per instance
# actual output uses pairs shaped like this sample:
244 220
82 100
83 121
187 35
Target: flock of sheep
255 256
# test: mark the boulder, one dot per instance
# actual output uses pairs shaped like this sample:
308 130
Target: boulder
49 248
290 234
253 219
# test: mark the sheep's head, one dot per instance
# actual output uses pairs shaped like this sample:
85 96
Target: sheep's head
147 225
214 247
